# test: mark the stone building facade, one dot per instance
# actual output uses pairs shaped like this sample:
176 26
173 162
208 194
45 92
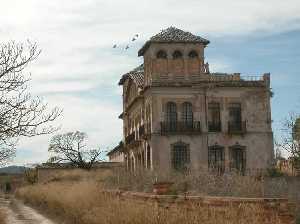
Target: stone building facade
178 115
116 154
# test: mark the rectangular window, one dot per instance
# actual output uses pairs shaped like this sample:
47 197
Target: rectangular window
148 157
235 118
238 160
180 157
214 117
216 159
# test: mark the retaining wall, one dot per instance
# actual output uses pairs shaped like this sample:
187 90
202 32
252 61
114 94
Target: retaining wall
270 206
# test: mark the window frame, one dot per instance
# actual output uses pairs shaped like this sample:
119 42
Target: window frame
187 114
180 156
217 151
235 165
214 125
193 54
177 54
161 54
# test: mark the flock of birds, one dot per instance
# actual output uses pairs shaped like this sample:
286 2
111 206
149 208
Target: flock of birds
134 38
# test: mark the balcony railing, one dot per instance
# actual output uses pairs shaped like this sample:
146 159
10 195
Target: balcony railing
180 127
237 127
214 126
130 138
142 131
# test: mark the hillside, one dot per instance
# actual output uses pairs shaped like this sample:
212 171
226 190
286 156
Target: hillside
12 170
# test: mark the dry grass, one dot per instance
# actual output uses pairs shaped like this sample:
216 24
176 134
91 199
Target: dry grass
73 175
2 217
77 197
202 183
84 203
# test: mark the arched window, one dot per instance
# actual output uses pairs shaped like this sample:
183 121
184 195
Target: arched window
193 54
161 54
187 114
177 55
171 116
180 156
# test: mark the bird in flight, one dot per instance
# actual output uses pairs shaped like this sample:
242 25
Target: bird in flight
134 38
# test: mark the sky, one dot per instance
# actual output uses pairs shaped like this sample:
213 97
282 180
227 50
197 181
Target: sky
78 70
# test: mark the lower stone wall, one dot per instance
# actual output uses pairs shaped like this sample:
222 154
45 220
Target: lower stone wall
271 206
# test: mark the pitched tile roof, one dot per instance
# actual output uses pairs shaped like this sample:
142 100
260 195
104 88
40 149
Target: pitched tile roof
172 34
137 75
119 147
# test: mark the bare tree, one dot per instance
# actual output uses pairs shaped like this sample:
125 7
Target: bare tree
290 139
21 114
70 147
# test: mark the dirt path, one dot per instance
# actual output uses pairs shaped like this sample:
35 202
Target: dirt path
18 213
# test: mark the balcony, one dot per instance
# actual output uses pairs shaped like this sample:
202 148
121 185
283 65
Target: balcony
130 138
237 127
142 131
214 126
180 128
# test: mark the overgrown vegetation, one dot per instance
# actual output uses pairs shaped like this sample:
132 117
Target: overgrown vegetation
202 183
77 196
30 176
83 202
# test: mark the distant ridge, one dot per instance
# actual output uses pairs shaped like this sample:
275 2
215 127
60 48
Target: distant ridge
12 170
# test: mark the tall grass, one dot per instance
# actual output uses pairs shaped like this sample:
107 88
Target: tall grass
83 202
200 183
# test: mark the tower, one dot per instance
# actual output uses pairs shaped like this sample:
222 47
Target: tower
173 54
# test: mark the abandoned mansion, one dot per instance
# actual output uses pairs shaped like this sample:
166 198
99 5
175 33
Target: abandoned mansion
178 115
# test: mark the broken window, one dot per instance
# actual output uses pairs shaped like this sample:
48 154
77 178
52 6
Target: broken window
214 118
216 159
238 159
180 156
